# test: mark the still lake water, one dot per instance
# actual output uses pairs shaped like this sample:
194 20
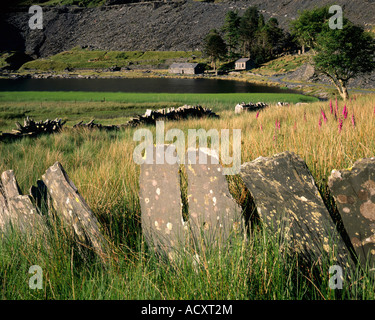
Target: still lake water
141 85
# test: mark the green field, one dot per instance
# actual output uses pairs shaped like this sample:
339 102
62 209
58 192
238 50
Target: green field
221 99
116 108
78 58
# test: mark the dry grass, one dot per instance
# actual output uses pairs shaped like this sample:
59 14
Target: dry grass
101 166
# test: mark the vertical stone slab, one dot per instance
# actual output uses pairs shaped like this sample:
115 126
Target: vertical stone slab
4 211
21 212
288 200
74 211
213 213
354 193
160 200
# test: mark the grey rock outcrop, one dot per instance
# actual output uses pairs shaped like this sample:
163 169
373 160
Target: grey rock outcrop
148 26
304 73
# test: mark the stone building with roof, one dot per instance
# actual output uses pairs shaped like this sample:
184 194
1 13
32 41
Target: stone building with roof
186 68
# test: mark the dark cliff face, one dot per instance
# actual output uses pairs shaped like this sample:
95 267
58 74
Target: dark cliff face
148 26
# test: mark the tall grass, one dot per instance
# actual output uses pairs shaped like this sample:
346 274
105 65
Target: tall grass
255 267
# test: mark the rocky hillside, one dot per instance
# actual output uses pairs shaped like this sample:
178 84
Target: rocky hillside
147 26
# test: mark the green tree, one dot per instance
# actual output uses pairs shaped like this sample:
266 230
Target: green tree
249 25
261 22
268 41
274 37
215 48
308 26
342 54
231 32
259 39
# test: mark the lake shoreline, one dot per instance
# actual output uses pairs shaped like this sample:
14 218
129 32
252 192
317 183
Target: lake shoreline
155 73
140 85
89 74
322 91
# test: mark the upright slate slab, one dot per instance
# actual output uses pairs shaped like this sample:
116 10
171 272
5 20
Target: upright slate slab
288 200
161 206
213 213
74 211
17 209
354 192
4 211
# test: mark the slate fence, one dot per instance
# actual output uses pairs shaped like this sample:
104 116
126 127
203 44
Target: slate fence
282 188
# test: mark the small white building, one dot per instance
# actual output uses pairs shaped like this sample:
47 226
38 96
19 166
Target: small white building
244 64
